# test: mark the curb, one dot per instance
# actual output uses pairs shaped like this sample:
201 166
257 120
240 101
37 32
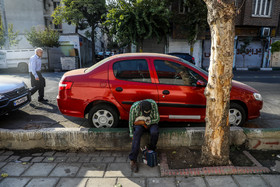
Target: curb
207 171
257 69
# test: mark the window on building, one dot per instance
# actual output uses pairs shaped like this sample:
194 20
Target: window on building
182 8
262 8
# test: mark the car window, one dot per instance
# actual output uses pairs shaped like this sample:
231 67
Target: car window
175 74
132 70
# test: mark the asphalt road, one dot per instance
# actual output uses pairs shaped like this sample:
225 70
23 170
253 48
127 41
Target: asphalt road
38 115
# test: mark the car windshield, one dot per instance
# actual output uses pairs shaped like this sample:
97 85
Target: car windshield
97 65
192 65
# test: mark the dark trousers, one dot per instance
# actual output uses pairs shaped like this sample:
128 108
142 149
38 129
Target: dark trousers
138 131
38 85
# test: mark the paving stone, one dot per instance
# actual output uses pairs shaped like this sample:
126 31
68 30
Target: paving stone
85 159
95 153
146 171
49 153
82 154
60 159
58 154
37 154
131 182
108 159
250 180
65 169
2 164
72 182
12 158
96 159
1 151
26 159
105 153
101 182
3 158
118 170
190 181
121 159
220 181
39 169
50 182
161 182
73 159
7 153
117 153
71 154
92 170
273 180
15 169
14 182
49 159
38 159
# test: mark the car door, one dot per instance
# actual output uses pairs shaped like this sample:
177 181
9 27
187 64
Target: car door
180 98
130 81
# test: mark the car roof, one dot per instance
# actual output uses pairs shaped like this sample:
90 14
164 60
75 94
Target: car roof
143 55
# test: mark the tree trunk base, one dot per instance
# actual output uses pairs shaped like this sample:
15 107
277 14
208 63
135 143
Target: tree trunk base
208 159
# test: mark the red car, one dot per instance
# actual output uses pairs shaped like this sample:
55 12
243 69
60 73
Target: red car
105 92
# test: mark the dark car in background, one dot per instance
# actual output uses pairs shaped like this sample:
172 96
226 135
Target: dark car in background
14 94
185 56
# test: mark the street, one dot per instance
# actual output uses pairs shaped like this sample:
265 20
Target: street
38 115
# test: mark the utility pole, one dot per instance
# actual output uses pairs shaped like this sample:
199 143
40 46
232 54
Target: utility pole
5 25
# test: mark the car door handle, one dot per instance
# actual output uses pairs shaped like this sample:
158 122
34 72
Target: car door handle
166 92
119 89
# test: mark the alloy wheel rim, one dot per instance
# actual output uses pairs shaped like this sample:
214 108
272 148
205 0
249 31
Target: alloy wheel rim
103 119
235 117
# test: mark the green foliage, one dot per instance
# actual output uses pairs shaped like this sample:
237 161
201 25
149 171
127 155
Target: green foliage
43 38
12 36
134 21
193 21
81 13
275 47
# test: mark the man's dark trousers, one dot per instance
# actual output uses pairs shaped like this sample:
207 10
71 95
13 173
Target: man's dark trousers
38 85
138 131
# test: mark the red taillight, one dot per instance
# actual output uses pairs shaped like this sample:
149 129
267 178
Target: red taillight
193 59
65 85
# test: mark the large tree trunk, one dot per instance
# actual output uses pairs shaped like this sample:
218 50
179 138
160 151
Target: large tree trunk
221 19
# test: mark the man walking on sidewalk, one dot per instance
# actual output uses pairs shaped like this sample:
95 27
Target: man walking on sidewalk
143 116
37 80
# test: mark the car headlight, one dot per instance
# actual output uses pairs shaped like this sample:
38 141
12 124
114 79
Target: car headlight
257 96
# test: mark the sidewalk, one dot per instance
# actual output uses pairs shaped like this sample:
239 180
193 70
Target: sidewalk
103 168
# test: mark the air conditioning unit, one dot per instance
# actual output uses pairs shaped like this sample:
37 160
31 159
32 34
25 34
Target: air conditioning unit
265 31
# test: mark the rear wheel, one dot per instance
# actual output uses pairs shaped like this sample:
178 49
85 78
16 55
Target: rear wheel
23 67
237 115
103 116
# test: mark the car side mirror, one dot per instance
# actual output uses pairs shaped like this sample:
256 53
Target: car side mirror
200 83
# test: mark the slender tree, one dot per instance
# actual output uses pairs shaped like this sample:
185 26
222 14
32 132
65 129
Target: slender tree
12 36
221 19
83 14
135 21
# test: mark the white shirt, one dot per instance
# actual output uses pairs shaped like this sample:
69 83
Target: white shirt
35 65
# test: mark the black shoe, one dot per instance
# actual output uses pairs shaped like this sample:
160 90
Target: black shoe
134 166
43 100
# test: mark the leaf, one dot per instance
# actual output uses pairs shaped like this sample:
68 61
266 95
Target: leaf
174 152
4 175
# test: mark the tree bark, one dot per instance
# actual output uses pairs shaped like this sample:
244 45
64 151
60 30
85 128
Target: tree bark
221 19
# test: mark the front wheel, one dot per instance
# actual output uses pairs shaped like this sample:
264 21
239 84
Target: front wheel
103 116
237 115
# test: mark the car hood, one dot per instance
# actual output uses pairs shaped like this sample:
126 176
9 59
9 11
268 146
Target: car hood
10 84
240 85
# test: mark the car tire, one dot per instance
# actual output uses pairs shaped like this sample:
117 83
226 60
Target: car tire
23 67
103 116
237 115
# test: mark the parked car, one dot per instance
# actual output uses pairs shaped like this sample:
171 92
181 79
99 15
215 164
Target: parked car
105 92
185 56
14 94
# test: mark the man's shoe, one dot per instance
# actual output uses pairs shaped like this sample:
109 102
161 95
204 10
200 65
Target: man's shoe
43 100
134 166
